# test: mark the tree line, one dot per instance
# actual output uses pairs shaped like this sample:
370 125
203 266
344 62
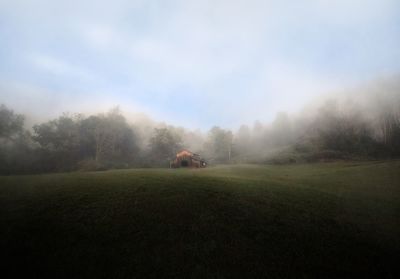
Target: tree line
363 125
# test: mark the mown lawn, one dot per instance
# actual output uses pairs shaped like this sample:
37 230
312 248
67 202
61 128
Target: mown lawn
331 220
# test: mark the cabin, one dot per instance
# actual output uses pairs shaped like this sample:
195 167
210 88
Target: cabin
187 159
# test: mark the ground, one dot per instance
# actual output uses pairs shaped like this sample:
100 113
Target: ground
329 220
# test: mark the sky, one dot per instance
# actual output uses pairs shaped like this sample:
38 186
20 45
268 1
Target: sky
193 63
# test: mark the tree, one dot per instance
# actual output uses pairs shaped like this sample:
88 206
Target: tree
16 147
388 120
11 124
115 140
164 144
243 141
104 141
342 131
219 145
281 132
59 142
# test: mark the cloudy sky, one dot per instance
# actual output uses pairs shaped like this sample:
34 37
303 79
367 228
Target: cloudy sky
194 63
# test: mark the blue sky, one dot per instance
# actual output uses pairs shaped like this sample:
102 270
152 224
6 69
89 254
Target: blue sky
191 63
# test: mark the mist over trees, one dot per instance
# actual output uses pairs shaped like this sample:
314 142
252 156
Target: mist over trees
218 145
101 141
164 144
361 124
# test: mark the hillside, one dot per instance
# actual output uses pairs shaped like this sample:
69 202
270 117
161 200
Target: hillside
340 219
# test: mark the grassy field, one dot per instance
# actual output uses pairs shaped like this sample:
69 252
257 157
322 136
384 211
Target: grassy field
331 220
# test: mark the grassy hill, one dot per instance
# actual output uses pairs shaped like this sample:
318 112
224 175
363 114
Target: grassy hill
298 221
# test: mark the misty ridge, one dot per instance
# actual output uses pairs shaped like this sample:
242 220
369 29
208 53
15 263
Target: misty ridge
359 124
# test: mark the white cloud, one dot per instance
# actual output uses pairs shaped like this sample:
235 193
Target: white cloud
59 66
41 104
257 56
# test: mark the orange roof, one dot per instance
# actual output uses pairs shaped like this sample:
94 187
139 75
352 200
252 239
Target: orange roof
186 152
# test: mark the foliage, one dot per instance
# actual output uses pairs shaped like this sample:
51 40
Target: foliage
218 146
11 124
17 151
360 125
163 145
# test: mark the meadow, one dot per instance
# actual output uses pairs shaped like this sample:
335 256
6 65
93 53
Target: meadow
323 220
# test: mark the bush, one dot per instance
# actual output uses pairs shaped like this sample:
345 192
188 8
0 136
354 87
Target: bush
325 155
90 165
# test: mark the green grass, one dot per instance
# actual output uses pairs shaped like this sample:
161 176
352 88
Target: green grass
317 220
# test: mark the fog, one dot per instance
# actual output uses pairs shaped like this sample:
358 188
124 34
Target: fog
191 63
110 84
361 123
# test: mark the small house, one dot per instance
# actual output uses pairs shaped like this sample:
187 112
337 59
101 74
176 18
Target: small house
188 159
